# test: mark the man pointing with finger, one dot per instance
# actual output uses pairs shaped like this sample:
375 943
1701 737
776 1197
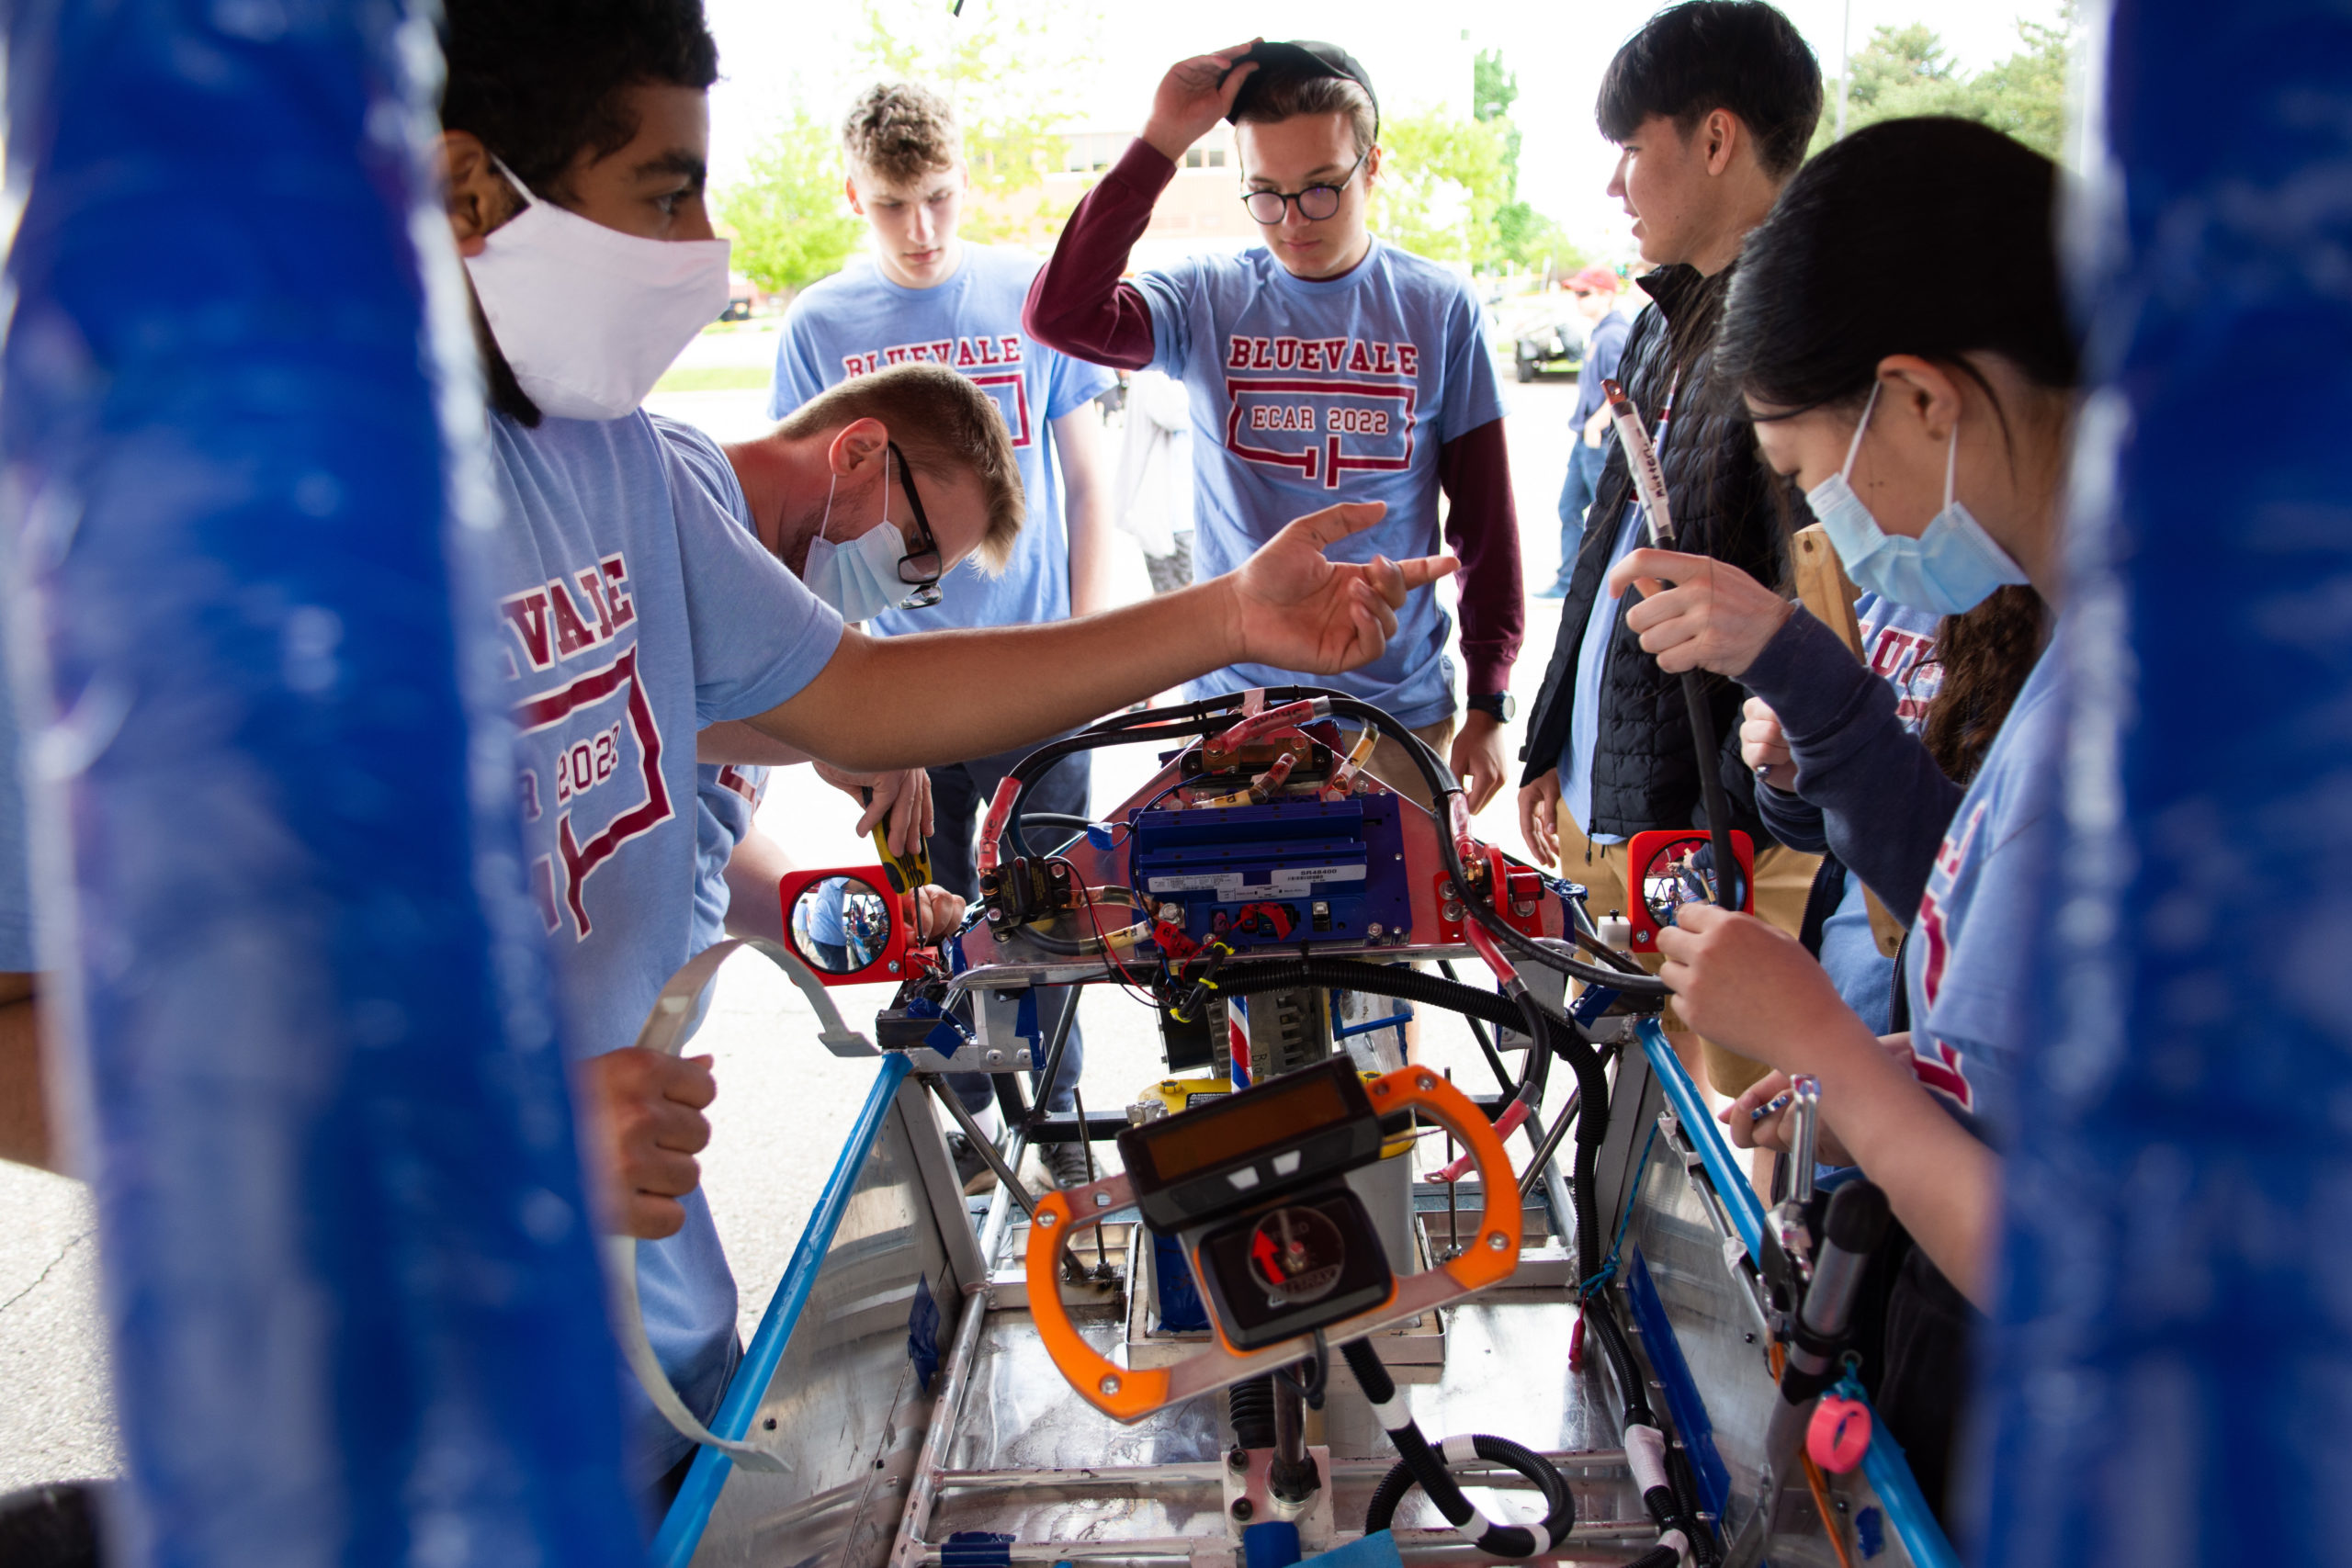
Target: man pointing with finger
1330 366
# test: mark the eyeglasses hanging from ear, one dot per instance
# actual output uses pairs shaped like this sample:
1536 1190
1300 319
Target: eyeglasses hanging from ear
1314 203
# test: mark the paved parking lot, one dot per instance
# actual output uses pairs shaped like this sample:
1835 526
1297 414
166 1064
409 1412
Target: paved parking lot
785 1105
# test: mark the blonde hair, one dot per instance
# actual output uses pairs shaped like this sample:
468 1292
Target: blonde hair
899 130
946 426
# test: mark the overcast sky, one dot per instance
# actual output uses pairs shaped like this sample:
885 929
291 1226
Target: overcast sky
771 51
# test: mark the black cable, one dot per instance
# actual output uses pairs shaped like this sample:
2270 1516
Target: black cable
1478 1033
1248 978
1715 799
1420 1465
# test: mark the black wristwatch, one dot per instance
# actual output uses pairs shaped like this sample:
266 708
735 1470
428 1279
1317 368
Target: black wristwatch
1500 706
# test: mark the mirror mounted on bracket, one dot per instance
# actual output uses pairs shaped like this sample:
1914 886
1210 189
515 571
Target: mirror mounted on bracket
1677 866
847 925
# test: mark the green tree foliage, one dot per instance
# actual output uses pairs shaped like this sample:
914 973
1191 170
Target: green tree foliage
1904 72
1011 67
790 223
1442 182
1520 235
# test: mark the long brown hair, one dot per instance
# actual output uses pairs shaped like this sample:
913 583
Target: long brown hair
1986 655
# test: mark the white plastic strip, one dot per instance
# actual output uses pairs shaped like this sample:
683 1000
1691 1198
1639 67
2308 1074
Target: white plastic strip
1645 1457
1393 1414
674 1012
1676 1540
1459 1451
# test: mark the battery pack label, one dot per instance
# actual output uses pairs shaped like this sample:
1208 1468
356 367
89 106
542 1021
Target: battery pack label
1284 882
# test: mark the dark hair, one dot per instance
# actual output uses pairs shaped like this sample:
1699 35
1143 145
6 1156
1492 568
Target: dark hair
539 80
536 80
1986 655
1692 59
1932 236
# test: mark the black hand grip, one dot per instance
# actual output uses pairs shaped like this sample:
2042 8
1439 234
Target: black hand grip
1857 1218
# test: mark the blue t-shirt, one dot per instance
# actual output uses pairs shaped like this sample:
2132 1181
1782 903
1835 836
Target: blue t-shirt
1896 643
726 796
858 320
1602 349
635 611
1970 965
1309 392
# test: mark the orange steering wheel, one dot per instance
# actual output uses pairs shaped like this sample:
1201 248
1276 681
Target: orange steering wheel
1130 1394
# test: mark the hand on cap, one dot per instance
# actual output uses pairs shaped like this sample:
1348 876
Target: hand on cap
1193 97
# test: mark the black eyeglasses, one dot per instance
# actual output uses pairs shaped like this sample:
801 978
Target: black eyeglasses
1314 203
919 567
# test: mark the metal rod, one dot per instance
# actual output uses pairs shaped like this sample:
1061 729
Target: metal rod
1053 1049
1453 1193
1416 1546
1005 1176
1078 1102
1550 1145
947 1412
1582 1463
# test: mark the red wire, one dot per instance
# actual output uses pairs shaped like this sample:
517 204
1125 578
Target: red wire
1095 916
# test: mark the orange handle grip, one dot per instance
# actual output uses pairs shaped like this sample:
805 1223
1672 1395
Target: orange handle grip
1121 1392
1490 1259
1125 1393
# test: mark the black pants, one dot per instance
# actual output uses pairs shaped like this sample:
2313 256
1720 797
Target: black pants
959 796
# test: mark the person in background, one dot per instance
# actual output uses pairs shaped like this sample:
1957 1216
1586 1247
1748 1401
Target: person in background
1155 489
1597 290
928 295
1711 104
1323 364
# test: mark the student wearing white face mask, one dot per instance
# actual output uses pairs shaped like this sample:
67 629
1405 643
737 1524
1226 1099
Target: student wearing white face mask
1898 331
636 611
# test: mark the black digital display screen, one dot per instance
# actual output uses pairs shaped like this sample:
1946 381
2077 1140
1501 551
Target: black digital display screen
1277 1113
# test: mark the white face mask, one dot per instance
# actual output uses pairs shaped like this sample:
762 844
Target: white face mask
1952 567
859 579
588 317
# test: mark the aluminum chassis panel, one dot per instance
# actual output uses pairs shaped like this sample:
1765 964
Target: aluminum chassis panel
884 1472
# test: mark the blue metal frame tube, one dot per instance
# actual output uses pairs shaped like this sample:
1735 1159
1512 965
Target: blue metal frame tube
355 1313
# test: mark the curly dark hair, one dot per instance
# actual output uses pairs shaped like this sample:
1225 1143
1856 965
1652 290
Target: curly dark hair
539 80
1986 655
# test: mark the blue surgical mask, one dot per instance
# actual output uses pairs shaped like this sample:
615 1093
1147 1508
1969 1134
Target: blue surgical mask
1949 570
859 579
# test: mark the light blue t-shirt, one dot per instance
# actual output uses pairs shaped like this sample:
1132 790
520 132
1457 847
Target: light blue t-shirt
1969 966
1897 641
634 612
1592 662
858 320
1309 392
726 796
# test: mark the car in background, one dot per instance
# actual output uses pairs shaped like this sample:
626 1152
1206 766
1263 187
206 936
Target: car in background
741 294
1551 343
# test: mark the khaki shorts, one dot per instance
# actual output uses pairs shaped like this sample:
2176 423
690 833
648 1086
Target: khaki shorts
1784 882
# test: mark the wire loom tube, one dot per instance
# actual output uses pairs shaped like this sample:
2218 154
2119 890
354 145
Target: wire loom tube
1592 1118
1420 1465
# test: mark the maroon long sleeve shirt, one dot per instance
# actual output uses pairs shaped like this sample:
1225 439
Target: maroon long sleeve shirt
1079 303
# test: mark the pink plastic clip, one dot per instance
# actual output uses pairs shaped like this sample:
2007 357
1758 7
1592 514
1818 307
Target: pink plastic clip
1504 1125
1839 1434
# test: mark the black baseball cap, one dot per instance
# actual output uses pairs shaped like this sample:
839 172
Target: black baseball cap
1299 59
